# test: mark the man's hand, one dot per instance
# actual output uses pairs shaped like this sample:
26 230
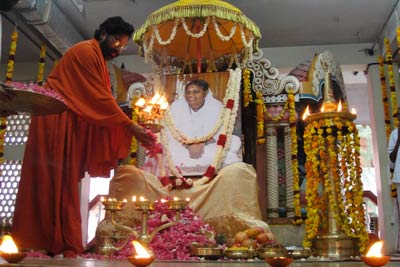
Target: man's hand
142 136
196 150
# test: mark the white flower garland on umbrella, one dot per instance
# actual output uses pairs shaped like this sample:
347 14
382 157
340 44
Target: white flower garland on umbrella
156 35
219 33
227 119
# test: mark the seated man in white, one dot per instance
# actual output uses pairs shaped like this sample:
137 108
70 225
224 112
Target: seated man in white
227 200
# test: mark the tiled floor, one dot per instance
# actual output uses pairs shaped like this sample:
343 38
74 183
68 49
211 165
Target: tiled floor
35 262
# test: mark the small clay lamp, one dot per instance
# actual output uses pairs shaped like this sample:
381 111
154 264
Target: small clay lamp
374 257
9 251
279 261
142 255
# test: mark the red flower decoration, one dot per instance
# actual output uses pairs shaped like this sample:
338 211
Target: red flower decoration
210 172
221 140
165 180
229 103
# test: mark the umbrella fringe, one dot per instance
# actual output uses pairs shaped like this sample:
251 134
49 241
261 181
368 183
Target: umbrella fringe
201 11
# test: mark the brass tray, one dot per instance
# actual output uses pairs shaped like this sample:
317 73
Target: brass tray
237 254
24 101
208 253
300 253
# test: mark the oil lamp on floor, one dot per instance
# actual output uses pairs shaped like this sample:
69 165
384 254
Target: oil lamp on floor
374 257
9 251
142 257
327 173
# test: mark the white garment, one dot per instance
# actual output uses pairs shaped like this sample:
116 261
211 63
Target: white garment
395 165
196 124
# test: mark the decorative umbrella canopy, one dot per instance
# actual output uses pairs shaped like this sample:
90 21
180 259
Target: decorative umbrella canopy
208 33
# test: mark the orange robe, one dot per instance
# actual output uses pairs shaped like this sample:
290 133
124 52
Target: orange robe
90 136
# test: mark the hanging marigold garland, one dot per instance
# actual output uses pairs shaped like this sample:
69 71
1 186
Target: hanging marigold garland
11 55
9 75
40 74
392 87
324 155
260 111
384 96
134 142
393 101
247 95
295 163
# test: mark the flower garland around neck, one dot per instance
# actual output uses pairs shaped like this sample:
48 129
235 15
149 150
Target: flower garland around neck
11 55
231 105
329 143
186 140
42 59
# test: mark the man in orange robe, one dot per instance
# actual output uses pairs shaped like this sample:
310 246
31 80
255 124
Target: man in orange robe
90 136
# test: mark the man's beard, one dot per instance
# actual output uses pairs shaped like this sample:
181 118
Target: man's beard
107 51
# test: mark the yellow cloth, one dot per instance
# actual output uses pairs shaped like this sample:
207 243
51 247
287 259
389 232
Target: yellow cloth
229 202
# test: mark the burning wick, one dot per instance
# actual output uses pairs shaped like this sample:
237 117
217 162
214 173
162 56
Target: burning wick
142 257
140 251
8 245
374 256
375 250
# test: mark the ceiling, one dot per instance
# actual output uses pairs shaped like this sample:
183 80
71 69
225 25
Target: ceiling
282 22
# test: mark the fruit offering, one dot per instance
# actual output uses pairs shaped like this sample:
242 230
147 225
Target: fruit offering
253 237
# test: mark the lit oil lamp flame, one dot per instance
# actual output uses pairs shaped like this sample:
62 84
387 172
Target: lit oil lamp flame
375 250
155 99
141 198
141 102
306 113
339 107
353 111
8 245
134 198
142 257
140 251
374 256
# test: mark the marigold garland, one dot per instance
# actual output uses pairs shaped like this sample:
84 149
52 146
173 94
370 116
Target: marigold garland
393 100
11 55
42 59
260 111
295 164
333 163
384 96
392 87
134 142
247 96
